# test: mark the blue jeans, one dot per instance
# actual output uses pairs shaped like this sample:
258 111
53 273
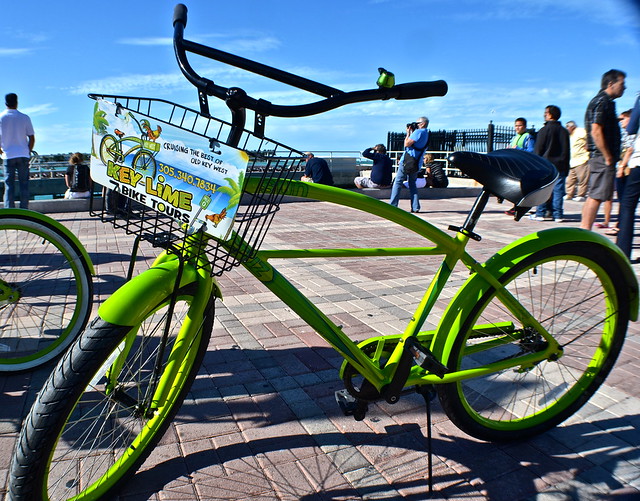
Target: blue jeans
10 167
397 188
555 204
627 211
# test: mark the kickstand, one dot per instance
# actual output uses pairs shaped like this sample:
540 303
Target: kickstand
428 394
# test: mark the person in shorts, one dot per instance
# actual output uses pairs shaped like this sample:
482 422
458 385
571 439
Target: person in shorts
603 143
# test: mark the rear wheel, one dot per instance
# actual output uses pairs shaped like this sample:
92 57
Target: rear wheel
100 413
578 294
46 292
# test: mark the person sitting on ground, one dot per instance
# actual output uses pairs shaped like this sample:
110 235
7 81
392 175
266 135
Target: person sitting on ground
317 171
431 175
77 178
381 171
434 173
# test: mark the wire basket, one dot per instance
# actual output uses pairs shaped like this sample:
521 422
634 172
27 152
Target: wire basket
269 161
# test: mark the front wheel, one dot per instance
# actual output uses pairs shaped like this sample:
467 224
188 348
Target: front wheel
46 291
108 403
578 294
144 163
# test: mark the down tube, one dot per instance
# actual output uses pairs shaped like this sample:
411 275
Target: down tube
306 310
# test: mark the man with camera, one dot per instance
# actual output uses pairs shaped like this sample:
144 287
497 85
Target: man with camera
415 144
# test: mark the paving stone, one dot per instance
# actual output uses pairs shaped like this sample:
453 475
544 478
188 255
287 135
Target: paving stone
261 421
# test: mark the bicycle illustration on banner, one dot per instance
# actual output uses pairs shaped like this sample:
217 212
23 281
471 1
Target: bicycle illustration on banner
177 173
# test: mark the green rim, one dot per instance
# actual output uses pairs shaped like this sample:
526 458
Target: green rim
590 372
149 432
82 302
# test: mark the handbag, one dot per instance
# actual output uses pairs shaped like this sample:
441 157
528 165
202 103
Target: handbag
410 164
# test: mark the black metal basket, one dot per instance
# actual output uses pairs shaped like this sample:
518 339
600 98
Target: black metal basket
268 161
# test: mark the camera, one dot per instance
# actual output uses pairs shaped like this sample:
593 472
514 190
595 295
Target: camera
413 126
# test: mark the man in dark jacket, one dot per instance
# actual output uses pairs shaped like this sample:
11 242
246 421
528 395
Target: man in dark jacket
317 171
552 143
381 171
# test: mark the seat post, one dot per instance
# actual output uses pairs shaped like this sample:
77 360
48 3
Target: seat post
476 211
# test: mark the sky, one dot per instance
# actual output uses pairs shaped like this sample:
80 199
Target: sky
501 59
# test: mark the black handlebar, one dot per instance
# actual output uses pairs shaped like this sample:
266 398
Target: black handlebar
237 99
180 15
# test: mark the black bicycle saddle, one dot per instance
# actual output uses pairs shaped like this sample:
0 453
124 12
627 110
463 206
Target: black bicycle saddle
523 178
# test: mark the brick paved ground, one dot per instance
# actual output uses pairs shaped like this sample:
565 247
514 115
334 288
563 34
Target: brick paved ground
261 422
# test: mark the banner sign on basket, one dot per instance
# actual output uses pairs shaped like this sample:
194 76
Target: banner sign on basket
188 177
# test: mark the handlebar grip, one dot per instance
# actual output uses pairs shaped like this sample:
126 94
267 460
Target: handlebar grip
180 15
418 90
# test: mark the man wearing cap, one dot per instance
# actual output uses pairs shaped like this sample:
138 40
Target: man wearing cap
415 144
16 143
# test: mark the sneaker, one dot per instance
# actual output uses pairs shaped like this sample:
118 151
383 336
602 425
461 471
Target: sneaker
533 217
578 199
559 220
566 197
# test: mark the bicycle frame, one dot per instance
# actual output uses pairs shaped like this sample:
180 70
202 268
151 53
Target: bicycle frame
452 250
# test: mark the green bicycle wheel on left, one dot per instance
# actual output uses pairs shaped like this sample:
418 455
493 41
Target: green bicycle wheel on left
46 290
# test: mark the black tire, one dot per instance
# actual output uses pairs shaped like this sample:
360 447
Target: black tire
78 428
578 294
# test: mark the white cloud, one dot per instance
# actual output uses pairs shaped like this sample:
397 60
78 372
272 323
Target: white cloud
13 52
40 109
146 41
128 84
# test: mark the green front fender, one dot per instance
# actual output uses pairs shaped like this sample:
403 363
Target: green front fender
130 304
476 286
58 227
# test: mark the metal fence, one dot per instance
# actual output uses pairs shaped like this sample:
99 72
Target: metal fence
492 138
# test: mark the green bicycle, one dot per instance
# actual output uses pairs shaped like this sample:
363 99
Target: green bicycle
523 344
46 292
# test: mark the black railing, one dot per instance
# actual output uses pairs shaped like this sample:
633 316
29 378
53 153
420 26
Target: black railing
494 137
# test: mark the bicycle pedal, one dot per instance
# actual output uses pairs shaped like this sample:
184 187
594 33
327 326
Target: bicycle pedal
351 406
424 358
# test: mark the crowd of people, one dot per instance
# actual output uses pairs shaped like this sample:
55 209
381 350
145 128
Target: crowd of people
593 162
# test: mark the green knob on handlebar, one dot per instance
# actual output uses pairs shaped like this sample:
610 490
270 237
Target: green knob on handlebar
386 79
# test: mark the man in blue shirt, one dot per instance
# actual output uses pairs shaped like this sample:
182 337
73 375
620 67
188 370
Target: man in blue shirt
415 144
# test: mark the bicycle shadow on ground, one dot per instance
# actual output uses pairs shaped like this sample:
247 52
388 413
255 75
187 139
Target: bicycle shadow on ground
571 458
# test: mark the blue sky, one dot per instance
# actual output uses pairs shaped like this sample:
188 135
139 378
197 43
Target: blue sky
501 59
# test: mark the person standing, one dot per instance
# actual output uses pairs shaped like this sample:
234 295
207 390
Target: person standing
578 177
317 171
603 143
17 139
552 143
415 144
381 171
523 140
629 202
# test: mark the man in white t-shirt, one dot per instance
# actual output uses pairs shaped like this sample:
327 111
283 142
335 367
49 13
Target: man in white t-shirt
16 143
